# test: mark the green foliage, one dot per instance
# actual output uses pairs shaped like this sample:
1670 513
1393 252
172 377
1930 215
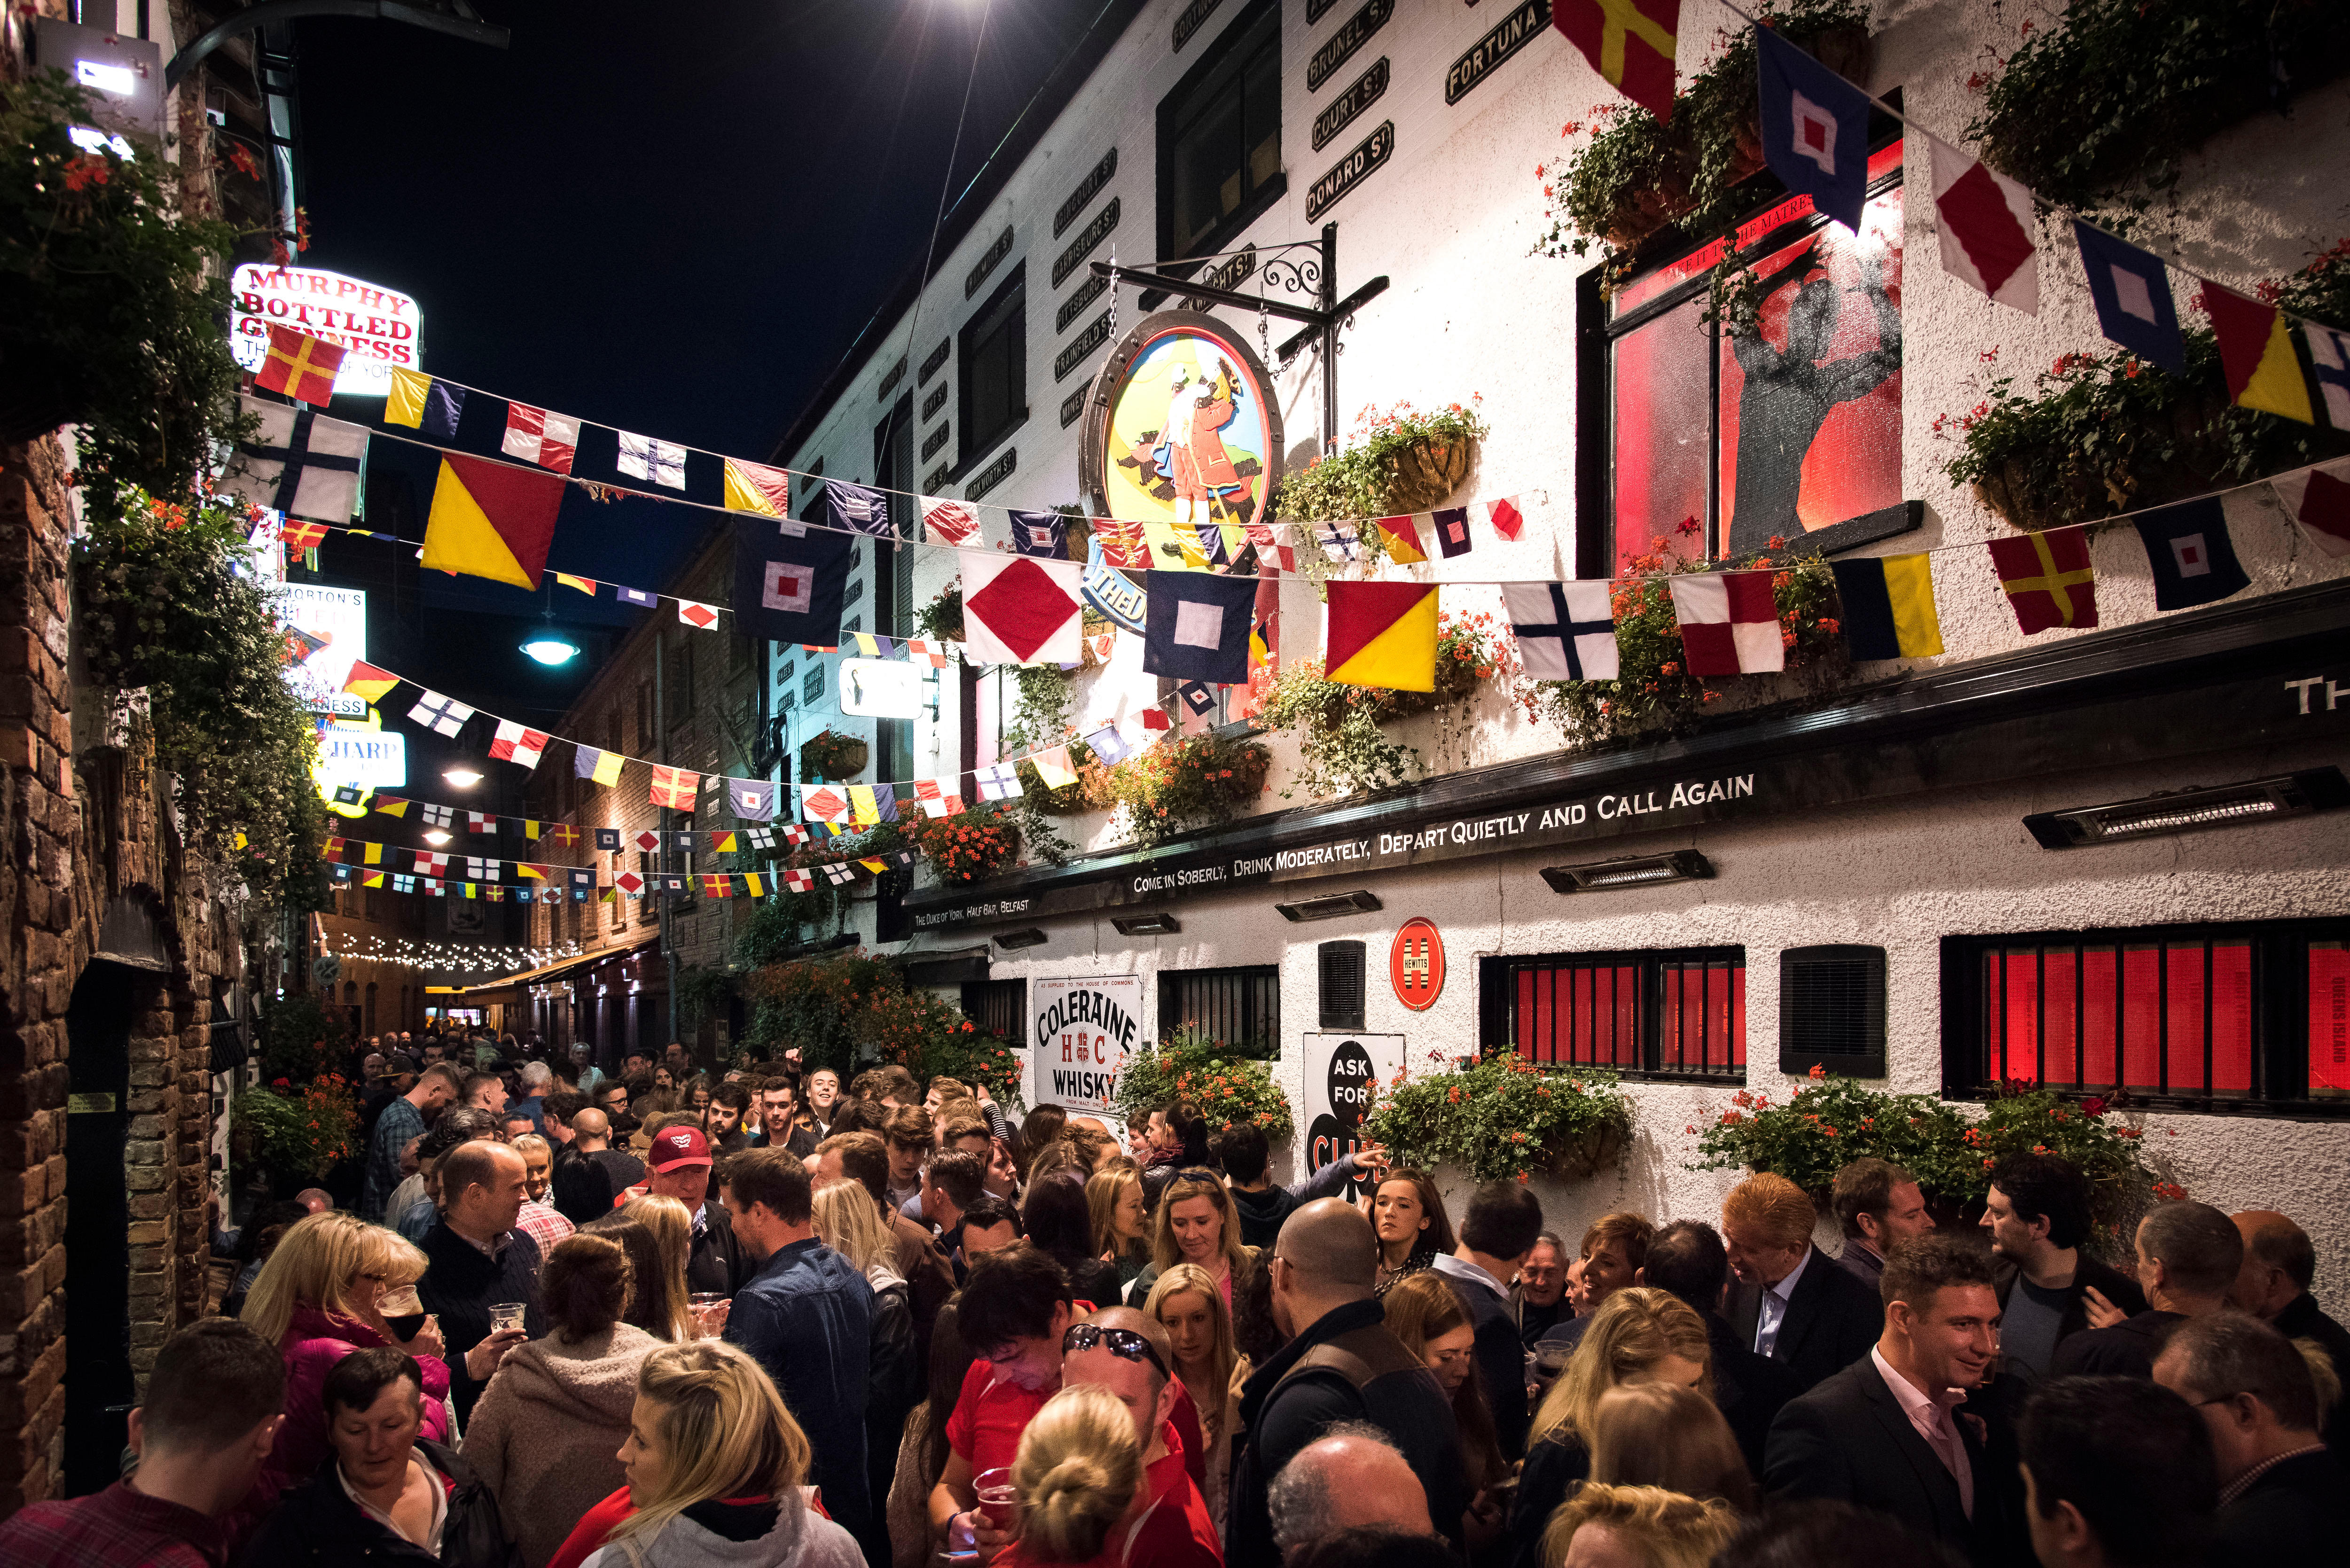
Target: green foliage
166 609
779 924
1832 1121
299 1039
1040 715
839 1011
701 992
1654 693
1177 786
941 620
113 303
1636 176
1229 1082
2096 434
1502 1116
302 1129
1364 478
1342 750
2117 91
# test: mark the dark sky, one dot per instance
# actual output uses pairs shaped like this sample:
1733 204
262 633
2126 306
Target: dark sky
670 218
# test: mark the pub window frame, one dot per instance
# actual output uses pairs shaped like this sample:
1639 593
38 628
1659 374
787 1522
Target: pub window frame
998 329
1222 67
1256 1007
992 1003
2278 1029
1596 528
1497 1008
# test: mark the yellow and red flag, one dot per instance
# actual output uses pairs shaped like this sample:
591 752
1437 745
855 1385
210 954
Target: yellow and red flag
300 366
492 520
676 788
2256 355
370 682
1628 42
1382 634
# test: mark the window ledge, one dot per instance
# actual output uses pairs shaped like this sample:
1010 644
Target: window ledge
978 459
1223 233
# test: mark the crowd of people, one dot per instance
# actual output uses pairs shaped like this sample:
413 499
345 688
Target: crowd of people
669 1318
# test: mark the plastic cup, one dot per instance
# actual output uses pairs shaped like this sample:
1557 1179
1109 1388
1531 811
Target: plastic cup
708 1312
507 1316
998 1498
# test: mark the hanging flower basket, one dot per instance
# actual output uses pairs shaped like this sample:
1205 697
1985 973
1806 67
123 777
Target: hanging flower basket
835 758
1426 472
1582 1152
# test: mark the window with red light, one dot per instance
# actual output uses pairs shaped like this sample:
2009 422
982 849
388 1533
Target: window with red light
1717 441
1674 1015
2245 1015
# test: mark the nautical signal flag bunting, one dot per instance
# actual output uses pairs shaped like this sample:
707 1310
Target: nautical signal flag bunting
302 367
1815 129
1381 634
492 520
1021 610
2048 579
1728 623
1630 42
1888 606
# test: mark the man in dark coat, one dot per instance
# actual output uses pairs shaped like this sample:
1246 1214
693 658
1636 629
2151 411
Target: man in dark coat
1496 1234
2118 1474
1792 1304
2285 1500
1686 1259
1341 1365
2037 1213
2273 1285
1912 1430
678 1166
2188 1257
475 1260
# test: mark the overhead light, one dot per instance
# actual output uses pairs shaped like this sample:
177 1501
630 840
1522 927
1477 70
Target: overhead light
2193 810
435 837
1632 871
464 778
548 648
1012 941
1328 906
1144 925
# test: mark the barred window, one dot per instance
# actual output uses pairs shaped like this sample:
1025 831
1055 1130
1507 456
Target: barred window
999 1007
1241 1007
1674 1013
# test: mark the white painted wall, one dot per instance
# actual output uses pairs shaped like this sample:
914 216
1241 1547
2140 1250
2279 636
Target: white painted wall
1451 220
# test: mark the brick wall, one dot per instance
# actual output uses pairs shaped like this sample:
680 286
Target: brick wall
82 833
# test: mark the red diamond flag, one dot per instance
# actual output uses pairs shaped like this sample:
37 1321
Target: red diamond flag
1156 719
629 882
1503 516
1986 229
947 521
823 804
2319 500
701 617
647 841
1728 623
1019 609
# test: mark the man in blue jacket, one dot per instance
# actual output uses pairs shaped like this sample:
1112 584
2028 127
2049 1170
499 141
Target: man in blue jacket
807 1316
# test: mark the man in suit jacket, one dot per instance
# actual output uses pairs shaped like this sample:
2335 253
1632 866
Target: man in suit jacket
1888 1432
2117 1474
1686 1258
1792 1304
2284 1500
2037 1213
2273 1285
2188 1257
1504 1219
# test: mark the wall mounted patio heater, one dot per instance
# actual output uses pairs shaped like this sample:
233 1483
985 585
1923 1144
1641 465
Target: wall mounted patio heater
1329 906
1013 942
2193 810
1632 871
1146 925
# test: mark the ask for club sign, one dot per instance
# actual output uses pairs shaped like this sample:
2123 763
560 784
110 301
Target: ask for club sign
1342 1073
1084 1030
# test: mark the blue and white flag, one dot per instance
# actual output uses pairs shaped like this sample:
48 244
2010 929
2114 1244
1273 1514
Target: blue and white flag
858 508
1815 129
1196 627
2132 292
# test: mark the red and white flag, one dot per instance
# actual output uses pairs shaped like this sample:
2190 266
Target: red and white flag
480 822
932 793
1018 609
629 883
512 743
429 864
1503 516
533 435
948 521
797 880
1986 228
2319 500
823 803
1728 622
701 617
648 841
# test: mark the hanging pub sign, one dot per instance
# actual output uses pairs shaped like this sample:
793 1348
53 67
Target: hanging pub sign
1343 1073
375 327
1083 1029
1181 428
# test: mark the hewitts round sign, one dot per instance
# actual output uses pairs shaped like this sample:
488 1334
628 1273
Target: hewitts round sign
1416 965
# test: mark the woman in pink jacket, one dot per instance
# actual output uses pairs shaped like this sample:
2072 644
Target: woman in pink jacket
318 1298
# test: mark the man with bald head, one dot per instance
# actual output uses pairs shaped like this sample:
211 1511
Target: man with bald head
476 1261
1128 1353
594 1173
1341 1364
1351 1479
2274 1286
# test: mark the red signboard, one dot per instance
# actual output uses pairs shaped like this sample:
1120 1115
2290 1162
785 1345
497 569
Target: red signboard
1416 965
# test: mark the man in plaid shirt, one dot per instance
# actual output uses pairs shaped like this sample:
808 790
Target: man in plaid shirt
210 1417
401 1120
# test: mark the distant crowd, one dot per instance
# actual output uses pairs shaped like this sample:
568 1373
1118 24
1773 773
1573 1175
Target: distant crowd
666 1317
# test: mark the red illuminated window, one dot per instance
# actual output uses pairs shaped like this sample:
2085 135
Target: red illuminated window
1663 1014
1717 442
2212 1015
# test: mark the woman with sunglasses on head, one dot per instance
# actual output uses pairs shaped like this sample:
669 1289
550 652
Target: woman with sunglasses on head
1092 1488
1199 1327
1408 1213
1196 1225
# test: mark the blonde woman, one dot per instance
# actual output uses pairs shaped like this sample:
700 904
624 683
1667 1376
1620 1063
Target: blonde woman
709 1433
1078 1476
1639 1334
1197 1225
671 1225
1607 1525
1661 1434
1121 1220
1428 1317
848 1222
1200 1330
318 1298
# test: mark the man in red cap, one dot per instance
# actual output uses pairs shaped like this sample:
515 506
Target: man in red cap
678 1166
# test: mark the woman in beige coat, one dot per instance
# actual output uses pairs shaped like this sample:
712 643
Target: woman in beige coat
547 1434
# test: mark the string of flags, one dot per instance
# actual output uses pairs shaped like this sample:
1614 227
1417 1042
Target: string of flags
433 874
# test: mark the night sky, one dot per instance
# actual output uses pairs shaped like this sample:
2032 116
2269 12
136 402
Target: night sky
672 219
